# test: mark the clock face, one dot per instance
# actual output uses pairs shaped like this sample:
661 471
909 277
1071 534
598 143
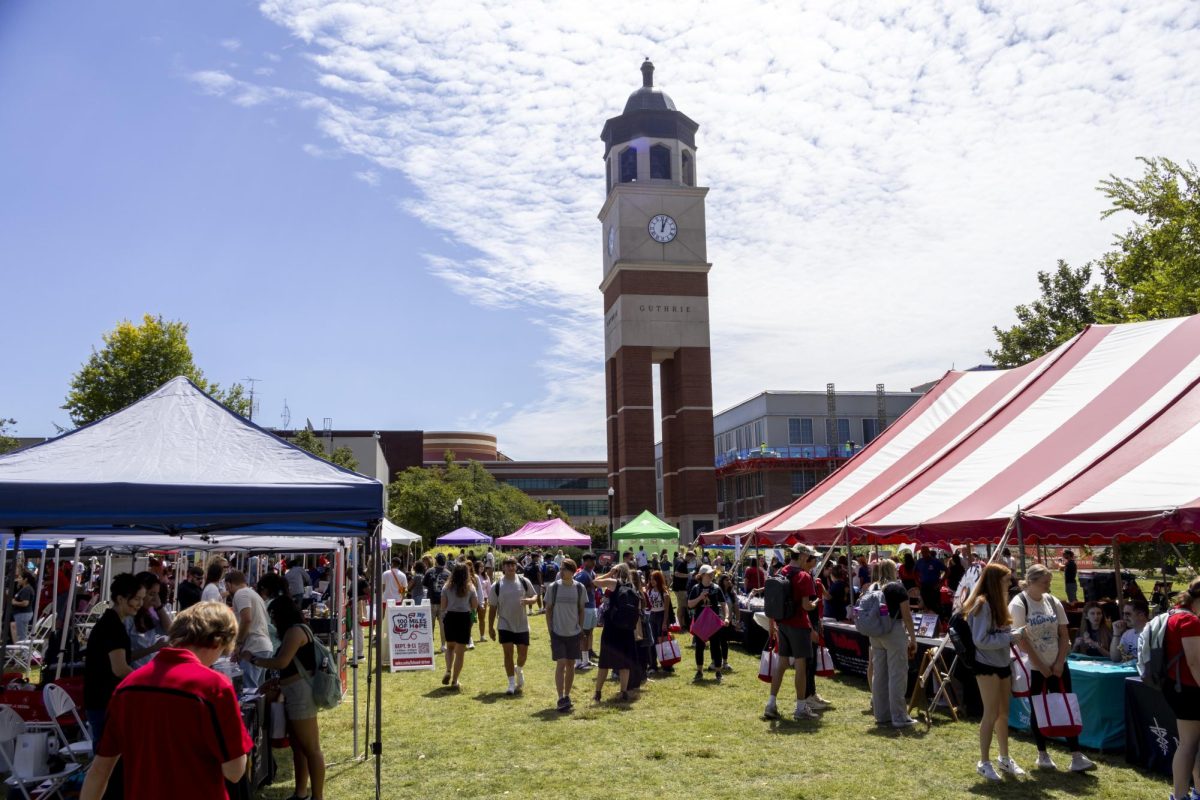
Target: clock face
662 228
612 240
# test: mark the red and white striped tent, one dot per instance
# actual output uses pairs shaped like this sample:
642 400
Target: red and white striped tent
743 533
1096 439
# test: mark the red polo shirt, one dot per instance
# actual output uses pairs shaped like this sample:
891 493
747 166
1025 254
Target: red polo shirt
174 722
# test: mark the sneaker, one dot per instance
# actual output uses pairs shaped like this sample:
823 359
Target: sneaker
470 645
907 722
986 769
817 703
584 667
483 638
698 677
511 690
727 669
593 655
1006 764
446 679
803 712
564 705
1044 761
771 711
520 678
1081 763
712 668
443 649
718 676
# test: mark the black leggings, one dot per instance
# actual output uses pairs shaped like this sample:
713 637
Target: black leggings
714 645
1038 681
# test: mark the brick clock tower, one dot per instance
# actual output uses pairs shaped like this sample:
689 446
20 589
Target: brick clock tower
656 313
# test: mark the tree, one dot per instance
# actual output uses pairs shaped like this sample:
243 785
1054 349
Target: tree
136 360
342 456
7 442
1152 272
422 500
1064 308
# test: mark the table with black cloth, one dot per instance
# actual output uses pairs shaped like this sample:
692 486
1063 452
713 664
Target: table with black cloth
1151 733
261 767
850 652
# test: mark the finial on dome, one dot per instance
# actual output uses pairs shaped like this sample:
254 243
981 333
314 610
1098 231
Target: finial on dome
647 74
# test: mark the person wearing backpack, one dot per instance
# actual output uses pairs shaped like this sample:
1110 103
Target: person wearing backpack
297 652
618 647
893 646
1047 642
1181 686
991 637
794 632
510 598
565 603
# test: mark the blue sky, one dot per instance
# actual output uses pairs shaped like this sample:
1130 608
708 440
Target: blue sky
349 201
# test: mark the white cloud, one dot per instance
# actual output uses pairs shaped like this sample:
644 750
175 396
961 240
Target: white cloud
368 176
264 72
884 183
232 45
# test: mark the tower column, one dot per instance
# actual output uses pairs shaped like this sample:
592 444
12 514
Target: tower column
631 459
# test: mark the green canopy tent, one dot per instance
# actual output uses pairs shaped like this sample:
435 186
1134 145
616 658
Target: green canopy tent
647 529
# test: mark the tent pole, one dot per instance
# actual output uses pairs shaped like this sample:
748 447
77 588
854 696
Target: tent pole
68 617
54 587
356 632
1020 539
1116 550
37 595
12 584
3 587
377 597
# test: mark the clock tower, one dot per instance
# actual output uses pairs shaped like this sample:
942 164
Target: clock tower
656 313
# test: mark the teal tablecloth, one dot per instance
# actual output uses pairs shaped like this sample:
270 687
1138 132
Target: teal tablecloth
1100 687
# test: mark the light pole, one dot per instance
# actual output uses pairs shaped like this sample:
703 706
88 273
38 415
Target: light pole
611 494
549 513
458 513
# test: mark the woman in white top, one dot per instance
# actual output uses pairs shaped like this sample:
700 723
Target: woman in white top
483 584
1047 642
212 583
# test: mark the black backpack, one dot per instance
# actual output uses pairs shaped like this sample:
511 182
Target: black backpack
623 609
963 640
778 600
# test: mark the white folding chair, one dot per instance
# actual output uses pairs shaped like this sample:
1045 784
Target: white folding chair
59 703
37 787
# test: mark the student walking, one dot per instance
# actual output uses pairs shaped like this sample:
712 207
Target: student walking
565 605
459 599
704 594
794 634
618 648
510 597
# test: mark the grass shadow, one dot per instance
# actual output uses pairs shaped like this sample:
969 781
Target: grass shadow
488 698
917 731
790 727
442 691
552 714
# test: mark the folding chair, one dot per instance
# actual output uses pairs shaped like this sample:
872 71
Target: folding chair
59 703
43 786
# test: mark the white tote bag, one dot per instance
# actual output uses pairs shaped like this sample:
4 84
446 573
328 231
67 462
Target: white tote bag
767 662
1058 714
1022 674
824 662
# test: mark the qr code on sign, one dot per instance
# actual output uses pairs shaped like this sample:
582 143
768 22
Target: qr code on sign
424 649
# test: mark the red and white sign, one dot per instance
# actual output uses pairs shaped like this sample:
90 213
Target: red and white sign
410 636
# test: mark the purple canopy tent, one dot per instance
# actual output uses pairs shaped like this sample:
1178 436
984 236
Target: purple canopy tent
464 536
549 533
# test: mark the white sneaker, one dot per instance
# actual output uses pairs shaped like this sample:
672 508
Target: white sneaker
1044 761
510 690
520 678
1081 763
470 645
804 712
1006 764
986 769
818 704
907 722
771 712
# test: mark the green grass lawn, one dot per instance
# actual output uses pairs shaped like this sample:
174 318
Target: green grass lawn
676 739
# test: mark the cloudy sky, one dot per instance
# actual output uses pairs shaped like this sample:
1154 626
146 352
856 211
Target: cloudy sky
386 211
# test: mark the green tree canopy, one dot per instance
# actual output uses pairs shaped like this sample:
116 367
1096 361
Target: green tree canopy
136 360
422 500
1152 271
342 456
7 442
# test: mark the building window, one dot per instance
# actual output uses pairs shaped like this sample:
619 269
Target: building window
802 481
583 508
758 484
628 165
758 433
870 430
660 162
800 430
689 169
843 431
528 484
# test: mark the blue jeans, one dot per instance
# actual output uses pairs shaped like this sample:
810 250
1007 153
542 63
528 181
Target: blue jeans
252 676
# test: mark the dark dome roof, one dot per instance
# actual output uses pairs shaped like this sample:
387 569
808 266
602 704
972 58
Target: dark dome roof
649 99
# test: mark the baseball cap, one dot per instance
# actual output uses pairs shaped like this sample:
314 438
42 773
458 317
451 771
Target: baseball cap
804 550
706 569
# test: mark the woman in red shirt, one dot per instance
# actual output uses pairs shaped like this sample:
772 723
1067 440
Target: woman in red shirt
1182 641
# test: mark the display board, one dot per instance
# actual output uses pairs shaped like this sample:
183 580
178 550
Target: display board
410 636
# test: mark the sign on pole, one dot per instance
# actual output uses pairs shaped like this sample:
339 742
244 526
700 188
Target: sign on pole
410 635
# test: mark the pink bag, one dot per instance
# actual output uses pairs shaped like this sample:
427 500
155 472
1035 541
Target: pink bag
1058 714
824 663
667 651
705 626
767 662
1022 674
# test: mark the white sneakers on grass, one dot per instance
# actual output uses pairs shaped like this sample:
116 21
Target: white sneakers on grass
1006 764
986 769
803 712
520 678
1044 761
1081 763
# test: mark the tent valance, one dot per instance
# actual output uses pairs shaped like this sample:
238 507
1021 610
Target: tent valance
646 526
550 533
464 536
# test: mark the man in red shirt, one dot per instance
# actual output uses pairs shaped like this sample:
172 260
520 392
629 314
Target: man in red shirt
794 634
175 721
754 577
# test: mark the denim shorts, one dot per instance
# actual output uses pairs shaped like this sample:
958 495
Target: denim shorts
298 700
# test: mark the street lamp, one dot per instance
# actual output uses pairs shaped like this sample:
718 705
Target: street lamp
549 513
458 513
611 494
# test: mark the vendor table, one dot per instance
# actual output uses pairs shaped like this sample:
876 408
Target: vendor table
1150 730
1100 687
262 763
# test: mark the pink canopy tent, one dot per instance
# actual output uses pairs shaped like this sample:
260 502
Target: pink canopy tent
549 533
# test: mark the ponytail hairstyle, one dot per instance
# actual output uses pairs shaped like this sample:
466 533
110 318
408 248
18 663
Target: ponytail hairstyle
1190 595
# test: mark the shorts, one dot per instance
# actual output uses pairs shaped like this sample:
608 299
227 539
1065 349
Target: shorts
564 647
795 642
512 637
298 700
458 626
999 672
1185 703
589 619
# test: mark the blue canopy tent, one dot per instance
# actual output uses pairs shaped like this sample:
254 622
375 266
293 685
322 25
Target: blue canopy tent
178 462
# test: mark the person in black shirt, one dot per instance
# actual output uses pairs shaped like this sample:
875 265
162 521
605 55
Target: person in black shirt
188 593
109 651
705 594
1071 576
679 585
435 578
891 652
